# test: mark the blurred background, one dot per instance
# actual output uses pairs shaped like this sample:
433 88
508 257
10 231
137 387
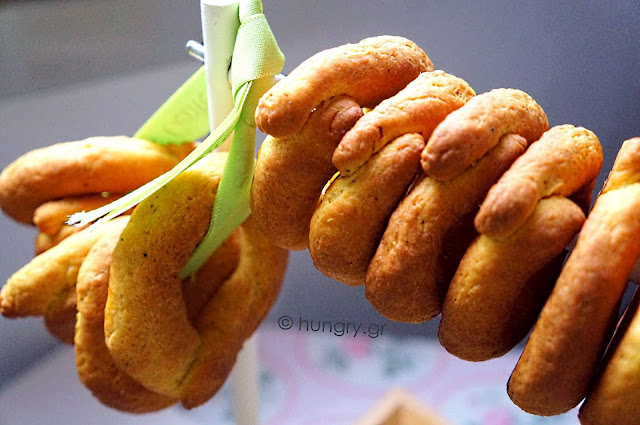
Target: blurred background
79 68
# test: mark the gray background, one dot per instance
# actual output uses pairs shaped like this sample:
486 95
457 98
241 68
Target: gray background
74 69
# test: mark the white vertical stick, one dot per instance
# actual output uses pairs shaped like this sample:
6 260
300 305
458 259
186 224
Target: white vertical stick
219 26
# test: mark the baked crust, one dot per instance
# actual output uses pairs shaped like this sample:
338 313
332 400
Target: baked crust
374 69
291 172
406 280
564 350
95 165
418 108
468 133
353 213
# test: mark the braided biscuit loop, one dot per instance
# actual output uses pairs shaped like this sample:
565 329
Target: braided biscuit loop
418 108
45 286
565 160
95 366
351 217
408 276
562 355
147 324
467 134
94 165
372 70
291 172
501 284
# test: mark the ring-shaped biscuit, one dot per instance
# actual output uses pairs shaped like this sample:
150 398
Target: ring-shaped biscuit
147 325
291 172
94 364
562 354
564 161
406 279
501 284
91 166
615 397
353 213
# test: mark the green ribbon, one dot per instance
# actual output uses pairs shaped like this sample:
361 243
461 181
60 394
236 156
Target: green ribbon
183 117
256 60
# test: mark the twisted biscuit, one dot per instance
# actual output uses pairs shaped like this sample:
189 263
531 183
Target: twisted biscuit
95 165
369 71
467 134
418 108
560 359
95 366
490 305
565 161
306 115
352 216
350 220
45 285
408 276
147 326
292 170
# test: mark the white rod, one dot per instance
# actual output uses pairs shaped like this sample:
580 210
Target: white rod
219 27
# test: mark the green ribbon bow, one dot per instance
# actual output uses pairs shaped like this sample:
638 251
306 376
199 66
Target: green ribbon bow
256 60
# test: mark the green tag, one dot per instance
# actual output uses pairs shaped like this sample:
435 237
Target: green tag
183 117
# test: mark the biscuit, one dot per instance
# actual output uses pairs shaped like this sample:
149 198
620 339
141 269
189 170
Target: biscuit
564 160
561 358
94 165
615 396
418 108
501 284
95 366
405 279
372 70
147 326
291 172
468 133
48 279
350 220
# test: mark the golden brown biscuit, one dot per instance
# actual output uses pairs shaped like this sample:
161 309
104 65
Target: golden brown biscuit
564 160
418 108
485 313
350 220
95 366
563 352
468 133
147 325
291 172
372 70
95 165
49 278
615 398
405 281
